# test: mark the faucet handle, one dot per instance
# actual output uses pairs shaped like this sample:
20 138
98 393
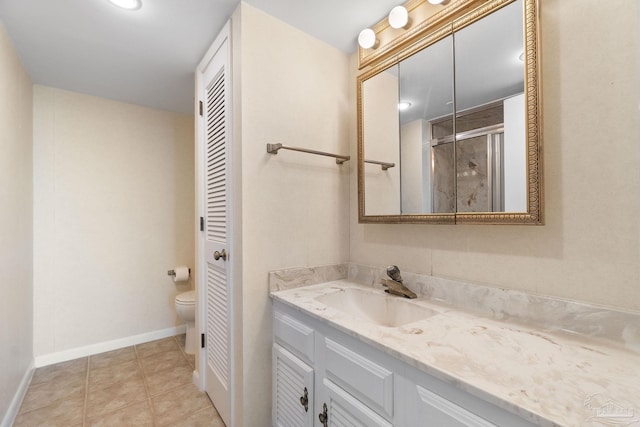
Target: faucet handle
394 273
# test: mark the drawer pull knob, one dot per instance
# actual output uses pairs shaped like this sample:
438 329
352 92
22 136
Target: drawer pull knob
323 415
304 400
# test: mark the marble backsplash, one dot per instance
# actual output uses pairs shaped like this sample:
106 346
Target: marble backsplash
280 280
549 313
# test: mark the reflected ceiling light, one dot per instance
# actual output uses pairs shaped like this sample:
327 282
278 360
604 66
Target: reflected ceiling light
127 4
399 17
367 39
436 1
404 105
521 57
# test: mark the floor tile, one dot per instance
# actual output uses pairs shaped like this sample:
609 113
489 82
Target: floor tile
178 404
138 414
109 375
59 370
41 395
111 358
117 396
64 412
168 379
181 339
154 347
115 388
207 417
191 358
161 361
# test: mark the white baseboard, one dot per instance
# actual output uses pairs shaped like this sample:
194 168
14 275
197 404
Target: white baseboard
196 381
14 407
75 353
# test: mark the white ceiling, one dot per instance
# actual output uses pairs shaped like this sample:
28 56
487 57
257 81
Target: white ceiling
148 57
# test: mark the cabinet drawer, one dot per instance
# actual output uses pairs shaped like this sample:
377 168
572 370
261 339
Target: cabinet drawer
444 405
443 412
294 335
364 379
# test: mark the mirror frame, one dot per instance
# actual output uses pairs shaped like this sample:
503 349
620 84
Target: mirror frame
431 29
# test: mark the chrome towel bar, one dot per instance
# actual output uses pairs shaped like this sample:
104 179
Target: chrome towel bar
273 149
383 165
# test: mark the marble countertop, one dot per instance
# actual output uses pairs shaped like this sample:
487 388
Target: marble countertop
545 375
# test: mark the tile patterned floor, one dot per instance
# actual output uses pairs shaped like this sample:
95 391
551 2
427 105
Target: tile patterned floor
145 385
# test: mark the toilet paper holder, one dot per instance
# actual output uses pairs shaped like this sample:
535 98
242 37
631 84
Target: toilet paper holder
173 273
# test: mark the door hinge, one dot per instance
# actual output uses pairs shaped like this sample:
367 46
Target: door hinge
202 341
201 223
201 107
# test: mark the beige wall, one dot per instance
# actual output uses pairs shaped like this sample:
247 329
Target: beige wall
113 211
16 207
381 129
589 248
295 206
413 182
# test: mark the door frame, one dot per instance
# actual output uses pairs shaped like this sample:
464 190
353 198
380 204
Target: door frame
199 376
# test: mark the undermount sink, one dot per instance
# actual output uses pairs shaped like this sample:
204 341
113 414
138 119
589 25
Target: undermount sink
377 308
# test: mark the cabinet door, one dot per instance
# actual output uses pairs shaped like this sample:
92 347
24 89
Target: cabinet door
292 390
344 410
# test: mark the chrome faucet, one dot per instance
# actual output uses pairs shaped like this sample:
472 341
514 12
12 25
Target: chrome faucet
395 286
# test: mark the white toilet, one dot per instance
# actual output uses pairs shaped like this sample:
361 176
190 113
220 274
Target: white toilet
186 309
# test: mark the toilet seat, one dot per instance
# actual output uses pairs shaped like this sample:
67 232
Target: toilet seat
186 298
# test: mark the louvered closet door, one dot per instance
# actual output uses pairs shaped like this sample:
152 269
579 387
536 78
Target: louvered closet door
216 110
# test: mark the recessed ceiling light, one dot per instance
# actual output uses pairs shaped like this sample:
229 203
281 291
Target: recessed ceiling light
127 4
404 105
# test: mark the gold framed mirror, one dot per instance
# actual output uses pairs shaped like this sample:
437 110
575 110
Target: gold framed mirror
449 117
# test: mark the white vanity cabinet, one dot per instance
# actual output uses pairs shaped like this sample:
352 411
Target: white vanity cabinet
350 383
355 386
293 374
317 378
292 390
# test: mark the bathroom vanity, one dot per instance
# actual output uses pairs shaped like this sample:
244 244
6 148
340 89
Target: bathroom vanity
345 353
320 371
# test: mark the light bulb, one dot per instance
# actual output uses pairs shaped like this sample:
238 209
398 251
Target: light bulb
367 39
399 17
127 4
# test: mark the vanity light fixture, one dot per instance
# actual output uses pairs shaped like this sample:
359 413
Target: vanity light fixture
399 17
404 105
367 39
127 4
